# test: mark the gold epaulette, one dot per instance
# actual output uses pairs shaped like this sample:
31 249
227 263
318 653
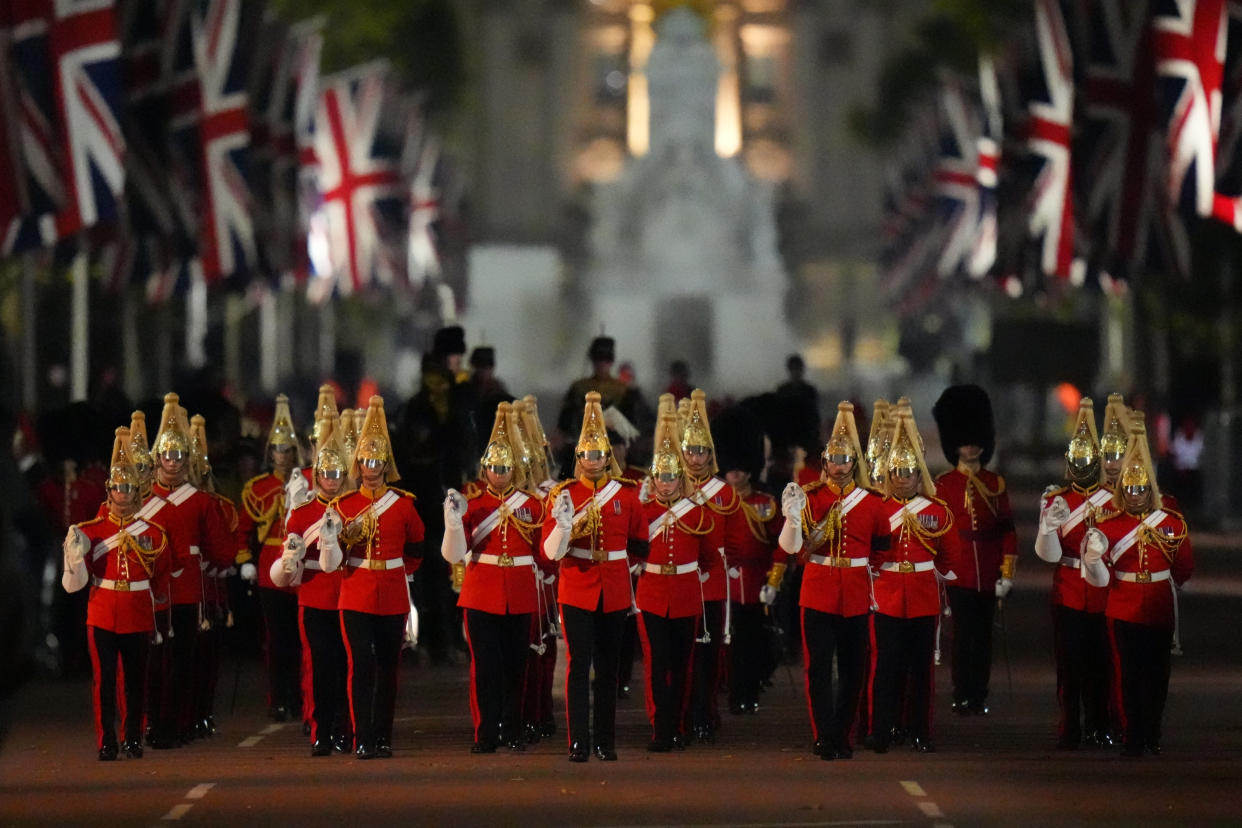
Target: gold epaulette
1109 515
302 506
559 487
622 480
472 490
95 520
812 486
1053 492
404 493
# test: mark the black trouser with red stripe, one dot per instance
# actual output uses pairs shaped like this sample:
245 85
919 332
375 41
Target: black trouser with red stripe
706 675
540 670
1080 642
329 669
170 675
498 647
284 650
373 651
823 635
592 637
105 647
1144 665
904 661
748 654
667 647
973 612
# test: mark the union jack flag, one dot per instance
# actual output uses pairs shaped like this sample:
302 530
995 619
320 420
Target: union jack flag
1227 205
308 44
956 179
208 67
1188 40
983 251
362 212
1051 111
424 249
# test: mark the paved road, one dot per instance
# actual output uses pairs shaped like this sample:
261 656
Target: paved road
994 770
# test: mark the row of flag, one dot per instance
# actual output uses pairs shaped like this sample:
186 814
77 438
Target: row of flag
1080 153
197 139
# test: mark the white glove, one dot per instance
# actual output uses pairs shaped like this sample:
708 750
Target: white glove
1094 545
767 595
329 547
793 500
636 569
1054 515
549 578
454 509
703 576
331 526
735 572
249 572
563 511
76 546
1003 585
297 490
644 491
1050 489
295 550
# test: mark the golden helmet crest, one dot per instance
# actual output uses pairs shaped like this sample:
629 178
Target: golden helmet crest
326 407
139 448
594 434
906 454
283 434
667 404
537 441
499 449
844 441
666 453
1137 468
171 436
121 468
523 456
1084 445
1115 439
331 454
347 431
373 440
200 462
879 426
695 431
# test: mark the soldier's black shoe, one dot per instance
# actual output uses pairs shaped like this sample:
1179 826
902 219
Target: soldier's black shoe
365 751
1153 748
383 747
341 743
578 752
211 725
844 752
828 753
1132 750
321 747
605 753
132 749
678 742
1101 738
921 745
977 708
660 744
516 745
897 736
705 734
879 744
107 753
547 728
531 732
483 746
820 745
278 713
623 691
158 741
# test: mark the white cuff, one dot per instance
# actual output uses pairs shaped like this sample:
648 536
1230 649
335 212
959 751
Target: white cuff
791 536
75 577
1095 574
453 546
1048 546
329 554
556 544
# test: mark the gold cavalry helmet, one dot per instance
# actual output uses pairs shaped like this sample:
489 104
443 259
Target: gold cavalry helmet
347 432
594 434
374 442
326 407
666 452
536 441
844 442
695 431
171 436
1137 469
139 448
1084 445
200 462
283 434
1115 439
906 454
121 468
876 435
330 454
499 450
522 454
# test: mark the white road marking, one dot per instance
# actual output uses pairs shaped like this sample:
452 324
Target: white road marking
177 811
199 791
249 741
930 809
913 788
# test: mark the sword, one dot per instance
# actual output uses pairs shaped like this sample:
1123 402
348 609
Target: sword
1000 613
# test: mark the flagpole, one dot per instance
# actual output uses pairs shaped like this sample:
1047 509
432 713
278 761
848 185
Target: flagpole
79 326
30 335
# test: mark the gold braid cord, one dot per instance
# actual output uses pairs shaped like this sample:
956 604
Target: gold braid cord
828 530
989 496
911 527
754 522
1167 544
264 519
527 529
130 544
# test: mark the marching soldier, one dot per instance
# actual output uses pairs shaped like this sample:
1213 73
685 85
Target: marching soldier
681 544
262 521
1149 552
382 541
907 594
590 525
1080 636
835 525
495 533
989 547
310 561
698 452
1113 441
195 533
739 438
126 561
621 436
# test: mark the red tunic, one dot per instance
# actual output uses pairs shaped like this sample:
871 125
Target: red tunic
318 589
196 534
837 579
905 586
123 591
502 566
583 580
722 500
749 543
1144 561
984 525
681 546
375 570
1069 588
263 513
